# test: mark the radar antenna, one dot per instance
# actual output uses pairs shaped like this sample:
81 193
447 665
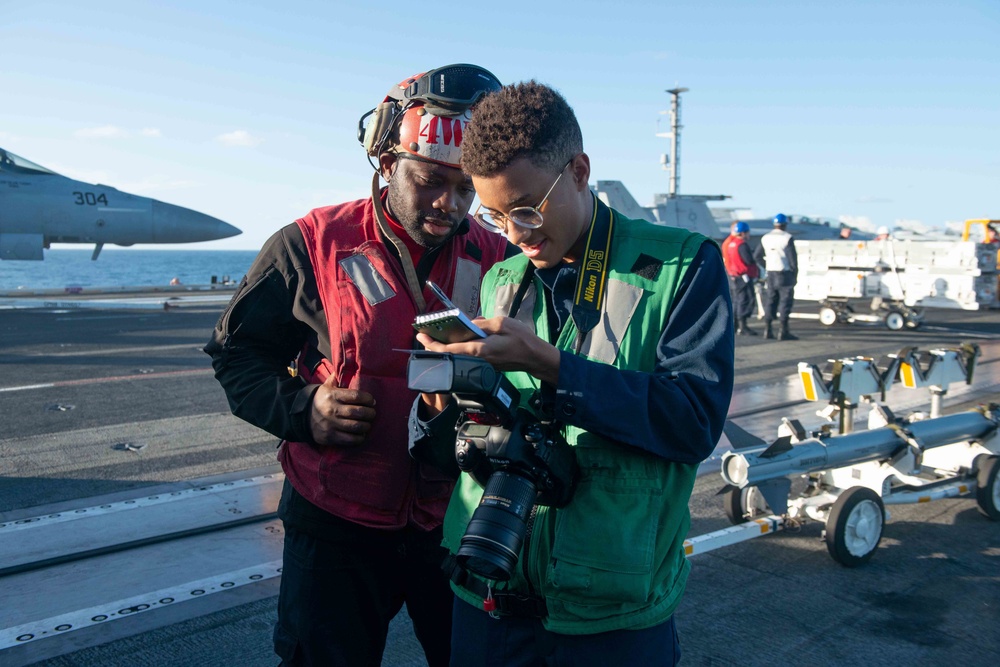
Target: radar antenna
675 136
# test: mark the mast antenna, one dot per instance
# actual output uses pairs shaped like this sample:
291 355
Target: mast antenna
675 139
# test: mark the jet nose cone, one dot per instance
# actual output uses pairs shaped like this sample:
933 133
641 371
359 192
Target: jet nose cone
176 224
223 230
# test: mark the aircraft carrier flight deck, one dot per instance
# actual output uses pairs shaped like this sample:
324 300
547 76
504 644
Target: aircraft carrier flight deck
137 520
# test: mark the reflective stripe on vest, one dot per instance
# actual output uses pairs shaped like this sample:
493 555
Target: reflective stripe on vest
369 313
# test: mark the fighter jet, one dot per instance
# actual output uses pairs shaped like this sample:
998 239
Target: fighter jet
687 211
803 228
39 207
693 212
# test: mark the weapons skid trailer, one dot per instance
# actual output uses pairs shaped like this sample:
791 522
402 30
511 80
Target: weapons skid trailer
851 478
899 278
846 480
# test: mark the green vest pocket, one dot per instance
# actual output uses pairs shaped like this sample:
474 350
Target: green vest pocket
605 538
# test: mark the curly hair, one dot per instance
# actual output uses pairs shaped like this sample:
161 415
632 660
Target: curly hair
527 119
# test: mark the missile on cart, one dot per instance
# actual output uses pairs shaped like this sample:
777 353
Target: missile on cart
783 459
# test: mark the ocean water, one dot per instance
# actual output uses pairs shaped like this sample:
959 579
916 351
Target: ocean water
124 267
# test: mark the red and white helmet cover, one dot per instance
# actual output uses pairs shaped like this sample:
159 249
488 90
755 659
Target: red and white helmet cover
430 137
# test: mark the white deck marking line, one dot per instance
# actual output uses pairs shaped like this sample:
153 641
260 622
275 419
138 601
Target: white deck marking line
135 503
114 610
112 378
121 350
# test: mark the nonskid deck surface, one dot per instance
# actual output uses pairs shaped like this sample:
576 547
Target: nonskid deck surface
130 515
129 554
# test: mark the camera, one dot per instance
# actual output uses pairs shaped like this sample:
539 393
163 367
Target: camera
519 459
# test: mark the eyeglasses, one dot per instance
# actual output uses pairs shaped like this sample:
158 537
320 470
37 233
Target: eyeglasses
529 217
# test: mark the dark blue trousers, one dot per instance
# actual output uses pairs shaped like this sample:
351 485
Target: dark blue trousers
481 640
341 585
779 296
743 296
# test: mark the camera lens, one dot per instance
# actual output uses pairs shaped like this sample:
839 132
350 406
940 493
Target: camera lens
493 538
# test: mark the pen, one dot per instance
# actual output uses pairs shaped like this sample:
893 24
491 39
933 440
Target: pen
441 295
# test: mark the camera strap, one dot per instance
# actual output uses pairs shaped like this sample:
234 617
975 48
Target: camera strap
590 282
495 602
591 279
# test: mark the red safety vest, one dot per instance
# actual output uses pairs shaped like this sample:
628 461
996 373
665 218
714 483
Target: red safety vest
370 312
735 266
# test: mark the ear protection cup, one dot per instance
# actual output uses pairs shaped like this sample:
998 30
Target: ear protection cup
373 135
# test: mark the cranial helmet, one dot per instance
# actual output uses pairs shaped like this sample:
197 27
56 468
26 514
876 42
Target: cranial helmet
781 219
426 114
741 227
431 137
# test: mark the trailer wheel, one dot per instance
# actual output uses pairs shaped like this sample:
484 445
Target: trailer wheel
988 487
828 316
744 505
854 526
895 320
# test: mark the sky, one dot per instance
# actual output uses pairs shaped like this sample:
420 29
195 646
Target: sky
874 113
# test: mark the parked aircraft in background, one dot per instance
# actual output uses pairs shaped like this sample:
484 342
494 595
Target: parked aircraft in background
693 212
39 207
687 211
803 228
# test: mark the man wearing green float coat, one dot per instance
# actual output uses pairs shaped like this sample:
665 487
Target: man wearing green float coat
621 333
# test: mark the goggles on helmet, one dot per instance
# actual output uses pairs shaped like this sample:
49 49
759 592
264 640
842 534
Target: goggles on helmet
445 92
449 89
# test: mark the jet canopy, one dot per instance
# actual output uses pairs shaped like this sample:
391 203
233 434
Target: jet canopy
16 164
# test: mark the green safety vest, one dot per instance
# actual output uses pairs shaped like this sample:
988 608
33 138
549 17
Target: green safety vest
613 558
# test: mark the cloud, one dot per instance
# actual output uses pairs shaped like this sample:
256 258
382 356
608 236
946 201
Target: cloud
103 132
654 54
146 185
115 132
238 138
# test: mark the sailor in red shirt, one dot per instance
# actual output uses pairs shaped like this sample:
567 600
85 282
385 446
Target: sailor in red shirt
743 274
